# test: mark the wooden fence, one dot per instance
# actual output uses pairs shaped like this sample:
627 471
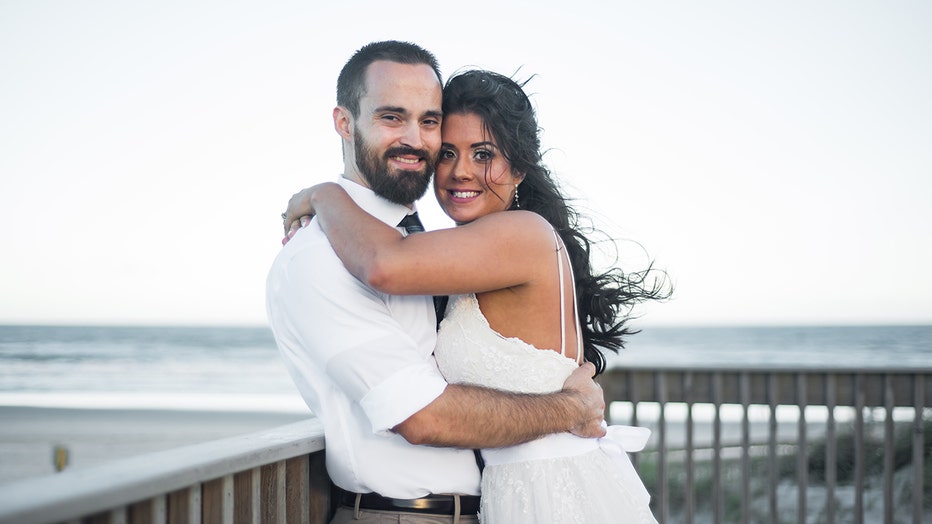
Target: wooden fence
758 455
724 449
270 477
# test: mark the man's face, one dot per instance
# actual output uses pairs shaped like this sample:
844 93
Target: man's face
397 134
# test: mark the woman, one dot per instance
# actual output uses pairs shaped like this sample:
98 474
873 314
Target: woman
518 279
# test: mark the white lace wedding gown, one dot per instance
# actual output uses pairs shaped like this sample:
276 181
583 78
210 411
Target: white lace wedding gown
559 479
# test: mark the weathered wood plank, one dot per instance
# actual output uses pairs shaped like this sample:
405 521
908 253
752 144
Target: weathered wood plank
243 498
212 502
319 503
297 491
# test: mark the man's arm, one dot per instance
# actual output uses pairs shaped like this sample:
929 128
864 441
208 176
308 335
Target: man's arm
474 417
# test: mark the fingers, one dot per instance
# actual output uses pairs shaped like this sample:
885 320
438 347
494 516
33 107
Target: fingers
295 226
288 225
591 401
295 206
288 217
289 222
593 428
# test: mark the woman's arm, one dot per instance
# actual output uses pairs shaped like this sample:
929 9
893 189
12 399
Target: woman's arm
497 251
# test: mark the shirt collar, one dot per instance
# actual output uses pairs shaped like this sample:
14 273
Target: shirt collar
382 209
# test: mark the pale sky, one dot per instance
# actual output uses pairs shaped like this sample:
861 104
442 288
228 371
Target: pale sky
774 157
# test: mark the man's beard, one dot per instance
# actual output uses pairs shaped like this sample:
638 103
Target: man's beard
405 186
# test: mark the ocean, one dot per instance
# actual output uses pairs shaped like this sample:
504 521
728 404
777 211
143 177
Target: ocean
238 368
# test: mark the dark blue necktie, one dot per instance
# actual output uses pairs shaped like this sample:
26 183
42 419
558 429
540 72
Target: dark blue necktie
411 223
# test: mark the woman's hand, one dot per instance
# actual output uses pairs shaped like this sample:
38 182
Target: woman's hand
300 210
295 226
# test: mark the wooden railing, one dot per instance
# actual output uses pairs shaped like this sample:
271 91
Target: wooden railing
270 477
772 445
722 451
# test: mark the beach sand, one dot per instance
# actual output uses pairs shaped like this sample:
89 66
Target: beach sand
29 435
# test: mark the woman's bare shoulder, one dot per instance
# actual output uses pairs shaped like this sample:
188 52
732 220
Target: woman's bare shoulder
517 223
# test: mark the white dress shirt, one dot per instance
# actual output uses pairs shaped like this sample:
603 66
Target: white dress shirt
363 361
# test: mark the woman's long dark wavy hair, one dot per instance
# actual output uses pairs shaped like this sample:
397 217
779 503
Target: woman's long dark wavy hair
604 299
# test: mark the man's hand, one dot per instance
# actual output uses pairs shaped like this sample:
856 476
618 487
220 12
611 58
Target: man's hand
591 400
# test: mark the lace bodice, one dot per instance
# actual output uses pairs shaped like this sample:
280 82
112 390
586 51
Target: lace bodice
469 351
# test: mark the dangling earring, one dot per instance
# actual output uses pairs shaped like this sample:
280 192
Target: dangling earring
517 204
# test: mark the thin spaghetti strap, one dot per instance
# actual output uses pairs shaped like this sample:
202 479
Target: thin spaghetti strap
579 347
562 295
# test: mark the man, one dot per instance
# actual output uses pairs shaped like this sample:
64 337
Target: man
398 436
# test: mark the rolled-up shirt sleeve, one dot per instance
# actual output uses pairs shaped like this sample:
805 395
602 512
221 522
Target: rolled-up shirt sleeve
402 395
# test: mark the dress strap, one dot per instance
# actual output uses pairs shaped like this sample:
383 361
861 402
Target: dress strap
579 346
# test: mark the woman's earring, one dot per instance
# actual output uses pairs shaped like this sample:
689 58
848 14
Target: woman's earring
517 204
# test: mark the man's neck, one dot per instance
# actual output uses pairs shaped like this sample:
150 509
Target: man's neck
351 173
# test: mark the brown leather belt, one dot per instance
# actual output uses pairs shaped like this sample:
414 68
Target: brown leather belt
433 504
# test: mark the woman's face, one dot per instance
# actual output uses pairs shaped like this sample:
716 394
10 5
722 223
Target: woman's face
473 178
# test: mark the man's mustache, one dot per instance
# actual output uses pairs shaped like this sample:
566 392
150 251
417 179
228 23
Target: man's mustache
400 151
